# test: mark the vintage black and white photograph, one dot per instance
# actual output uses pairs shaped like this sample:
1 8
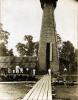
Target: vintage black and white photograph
38 49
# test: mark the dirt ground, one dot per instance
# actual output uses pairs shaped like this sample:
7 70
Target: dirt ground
13 91
67 92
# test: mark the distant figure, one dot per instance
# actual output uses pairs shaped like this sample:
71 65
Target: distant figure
49 71
65 69
13 71
9 70
65 77
27 69
17 69
21 70
34 72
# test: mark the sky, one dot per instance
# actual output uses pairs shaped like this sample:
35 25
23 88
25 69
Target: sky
23 17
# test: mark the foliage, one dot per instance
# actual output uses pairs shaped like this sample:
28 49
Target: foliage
29 48
3 50
21 49
67 55
36 48
29 38
10 52
30 45
3 35
58 39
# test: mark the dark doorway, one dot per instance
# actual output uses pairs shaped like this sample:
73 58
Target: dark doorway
48 56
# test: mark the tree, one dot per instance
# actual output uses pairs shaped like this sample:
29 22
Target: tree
3 41
58 39
67 56
59 42
29 45
36 48
3 50
3 35
10 52
28 38
21 49
28 48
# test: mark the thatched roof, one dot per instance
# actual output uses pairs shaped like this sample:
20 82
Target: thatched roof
11 61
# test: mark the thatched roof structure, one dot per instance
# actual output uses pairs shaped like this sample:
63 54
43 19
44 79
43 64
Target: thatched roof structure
11 61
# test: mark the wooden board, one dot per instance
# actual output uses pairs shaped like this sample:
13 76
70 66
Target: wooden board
41 90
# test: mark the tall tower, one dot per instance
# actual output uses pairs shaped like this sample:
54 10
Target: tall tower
48 57
76 50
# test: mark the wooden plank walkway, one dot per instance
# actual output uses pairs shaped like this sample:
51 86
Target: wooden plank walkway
41 90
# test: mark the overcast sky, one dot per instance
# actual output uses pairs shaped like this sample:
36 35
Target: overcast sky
20 17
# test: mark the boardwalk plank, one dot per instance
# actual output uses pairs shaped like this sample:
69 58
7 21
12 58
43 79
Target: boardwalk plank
49 89
31 91
41 90
36 92
45 96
